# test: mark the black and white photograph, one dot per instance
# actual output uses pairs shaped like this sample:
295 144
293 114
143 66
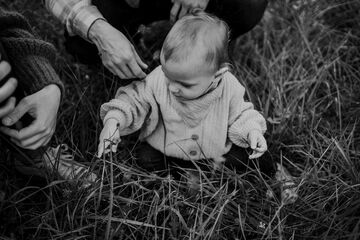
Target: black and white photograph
180 119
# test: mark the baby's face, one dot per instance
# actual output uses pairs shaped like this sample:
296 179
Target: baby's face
188 79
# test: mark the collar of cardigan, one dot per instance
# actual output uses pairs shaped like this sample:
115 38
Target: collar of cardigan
193 111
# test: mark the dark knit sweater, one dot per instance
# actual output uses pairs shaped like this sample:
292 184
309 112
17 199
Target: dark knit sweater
29 56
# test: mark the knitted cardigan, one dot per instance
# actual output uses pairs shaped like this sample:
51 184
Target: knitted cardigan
191 130
29 56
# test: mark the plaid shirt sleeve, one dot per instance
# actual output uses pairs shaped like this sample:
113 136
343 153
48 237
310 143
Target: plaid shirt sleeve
77 15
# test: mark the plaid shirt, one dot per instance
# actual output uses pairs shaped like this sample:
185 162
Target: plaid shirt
77 15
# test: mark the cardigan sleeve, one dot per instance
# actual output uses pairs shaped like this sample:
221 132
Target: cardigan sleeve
242 116
132 105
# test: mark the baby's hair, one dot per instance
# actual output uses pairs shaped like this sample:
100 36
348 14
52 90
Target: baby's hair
198 29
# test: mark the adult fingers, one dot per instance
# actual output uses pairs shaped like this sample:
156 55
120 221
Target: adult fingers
34 142
120 74
126 71
114 70
8 107
10 132
40 142
174 11
110 66
136 70
27 142
120 70
5 69
30 133
18 135
8 89
19 111
139 61
35 128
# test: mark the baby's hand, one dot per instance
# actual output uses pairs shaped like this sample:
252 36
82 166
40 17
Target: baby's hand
257 143
109 137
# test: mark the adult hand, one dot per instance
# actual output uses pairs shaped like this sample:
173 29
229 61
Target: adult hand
6 90
117 53
109 137
43 107
257 144
183 7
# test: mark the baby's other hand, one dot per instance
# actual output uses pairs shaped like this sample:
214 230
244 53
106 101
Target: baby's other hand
257 143
109 137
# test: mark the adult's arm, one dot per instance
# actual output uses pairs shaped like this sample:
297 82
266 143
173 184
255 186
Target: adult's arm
30 60
84 19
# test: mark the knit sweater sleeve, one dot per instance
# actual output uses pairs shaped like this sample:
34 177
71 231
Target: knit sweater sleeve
242 117
30 57
132 105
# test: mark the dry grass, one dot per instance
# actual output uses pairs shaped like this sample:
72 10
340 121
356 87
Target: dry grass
300 70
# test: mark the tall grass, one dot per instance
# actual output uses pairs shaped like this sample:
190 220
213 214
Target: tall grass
299 69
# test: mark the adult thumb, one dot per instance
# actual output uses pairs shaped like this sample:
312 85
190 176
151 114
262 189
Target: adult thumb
16 114
139 61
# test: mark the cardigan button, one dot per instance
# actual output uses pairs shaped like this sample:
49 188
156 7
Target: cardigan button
193 153
194 137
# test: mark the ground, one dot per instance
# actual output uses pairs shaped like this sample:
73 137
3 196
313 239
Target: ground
300 67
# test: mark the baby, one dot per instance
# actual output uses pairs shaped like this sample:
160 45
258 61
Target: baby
190 108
